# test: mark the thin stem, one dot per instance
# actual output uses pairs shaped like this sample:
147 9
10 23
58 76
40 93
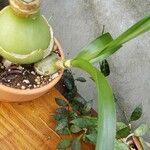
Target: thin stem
80 136
106 106
124 114
103 30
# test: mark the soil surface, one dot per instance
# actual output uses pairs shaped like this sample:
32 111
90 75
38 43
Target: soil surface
23 76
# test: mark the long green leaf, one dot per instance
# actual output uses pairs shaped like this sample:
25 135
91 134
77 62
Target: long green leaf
95 47
106 106
104 46
137 29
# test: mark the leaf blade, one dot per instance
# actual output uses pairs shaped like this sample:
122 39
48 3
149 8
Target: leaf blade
119 145
75 129
136 114
76 145
138 28
61 125
85 122
123 133
106 109
63 144
95 47
61 102
104 66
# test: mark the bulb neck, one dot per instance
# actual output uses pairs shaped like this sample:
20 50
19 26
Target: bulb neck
25 8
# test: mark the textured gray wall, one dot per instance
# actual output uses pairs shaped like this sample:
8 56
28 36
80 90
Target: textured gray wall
76 22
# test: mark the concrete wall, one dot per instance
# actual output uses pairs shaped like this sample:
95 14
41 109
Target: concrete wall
76 22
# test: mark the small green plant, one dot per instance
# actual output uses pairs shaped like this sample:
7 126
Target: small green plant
26 37
125 130
75 116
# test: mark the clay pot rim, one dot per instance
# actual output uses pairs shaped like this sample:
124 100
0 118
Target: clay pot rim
41 89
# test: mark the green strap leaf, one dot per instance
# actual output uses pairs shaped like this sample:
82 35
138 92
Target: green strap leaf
95 47
137 29
106 106
104 46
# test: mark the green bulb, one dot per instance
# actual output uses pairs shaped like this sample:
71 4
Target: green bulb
23 36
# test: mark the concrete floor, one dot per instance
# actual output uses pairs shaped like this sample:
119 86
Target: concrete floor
76 22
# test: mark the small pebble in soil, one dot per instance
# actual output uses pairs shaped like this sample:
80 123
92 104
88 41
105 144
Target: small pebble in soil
34 86
2 67
20 67
18 84
23 87
6 63
26 81
32 72
30 86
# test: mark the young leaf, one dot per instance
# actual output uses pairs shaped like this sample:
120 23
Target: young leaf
47 66
68 80
61 110
61 125
80 100
64 131
119 145
81 79
73 115
59 117
68 83
85 122
95 47
92 136
141 130
70 94
75 129
87 107
136 114
64 144
123 133
76 145
121 125
61 102
76 107
104 66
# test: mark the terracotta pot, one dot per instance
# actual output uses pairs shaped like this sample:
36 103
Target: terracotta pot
8 94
